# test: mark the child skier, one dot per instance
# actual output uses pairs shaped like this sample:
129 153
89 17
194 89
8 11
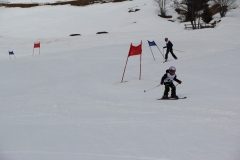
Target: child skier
167 80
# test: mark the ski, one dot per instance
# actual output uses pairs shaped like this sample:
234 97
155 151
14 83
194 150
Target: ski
173 98
182 98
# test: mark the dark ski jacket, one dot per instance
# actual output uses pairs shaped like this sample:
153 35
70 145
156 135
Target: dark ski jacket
169 45
165 76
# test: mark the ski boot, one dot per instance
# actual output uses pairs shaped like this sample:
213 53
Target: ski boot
174 96
165 97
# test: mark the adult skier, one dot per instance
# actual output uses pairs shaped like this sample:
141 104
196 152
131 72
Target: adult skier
167 80
169 46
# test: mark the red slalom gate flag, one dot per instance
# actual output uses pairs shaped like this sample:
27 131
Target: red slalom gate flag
37 45
135 50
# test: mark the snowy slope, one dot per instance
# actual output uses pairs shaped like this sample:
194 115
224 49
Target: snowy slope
67 102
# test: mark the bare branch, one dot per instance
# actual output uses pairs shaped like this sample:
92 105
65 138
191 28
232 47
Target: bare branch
162 4
224 6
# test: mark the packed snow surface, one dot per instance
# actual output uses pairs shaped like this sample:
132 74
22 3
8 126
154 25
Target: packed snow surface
68 103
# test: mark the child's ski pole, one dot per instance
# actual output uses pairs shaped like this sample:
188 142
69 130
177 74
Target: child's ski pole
151 88
178 50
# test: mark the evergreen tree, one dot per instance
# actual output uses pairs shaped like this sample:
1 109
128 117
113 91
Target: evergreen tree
206 15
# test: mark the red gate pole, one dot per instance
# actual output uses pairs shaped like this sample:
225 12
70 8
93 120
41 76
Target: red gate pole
124 70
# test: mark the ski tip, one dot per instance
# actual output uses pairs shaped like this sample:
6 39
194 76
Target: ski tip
181 97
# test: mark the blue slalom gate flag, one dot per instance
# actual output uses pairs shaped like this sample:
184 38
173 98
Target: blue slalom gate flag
152 43
10 52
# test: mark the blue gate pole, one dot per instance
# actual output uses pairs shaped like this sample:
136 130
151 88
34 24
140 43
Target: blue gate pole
152 52
160 52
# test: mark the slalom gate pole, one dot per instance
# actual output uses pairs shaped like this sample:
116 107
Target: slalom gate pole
160 51
152 88
152 53
9 54
124 69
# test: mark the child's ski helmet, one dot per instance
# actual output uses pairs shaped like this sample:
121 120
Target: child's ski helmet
172 70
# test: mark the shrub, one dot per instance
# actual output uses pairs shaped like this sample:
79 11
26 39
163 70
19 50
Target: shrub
74 3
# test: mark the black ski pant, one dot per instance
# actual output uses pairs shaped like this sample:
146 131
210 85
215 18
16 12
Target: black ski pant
169 85
171 51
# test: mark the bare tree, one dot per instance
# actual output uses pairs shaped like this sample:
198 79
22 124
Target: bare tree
191 10
224 6
162 4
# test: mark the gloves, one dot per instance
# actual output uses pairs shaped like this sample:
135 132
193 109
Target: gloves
161 83
180 82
